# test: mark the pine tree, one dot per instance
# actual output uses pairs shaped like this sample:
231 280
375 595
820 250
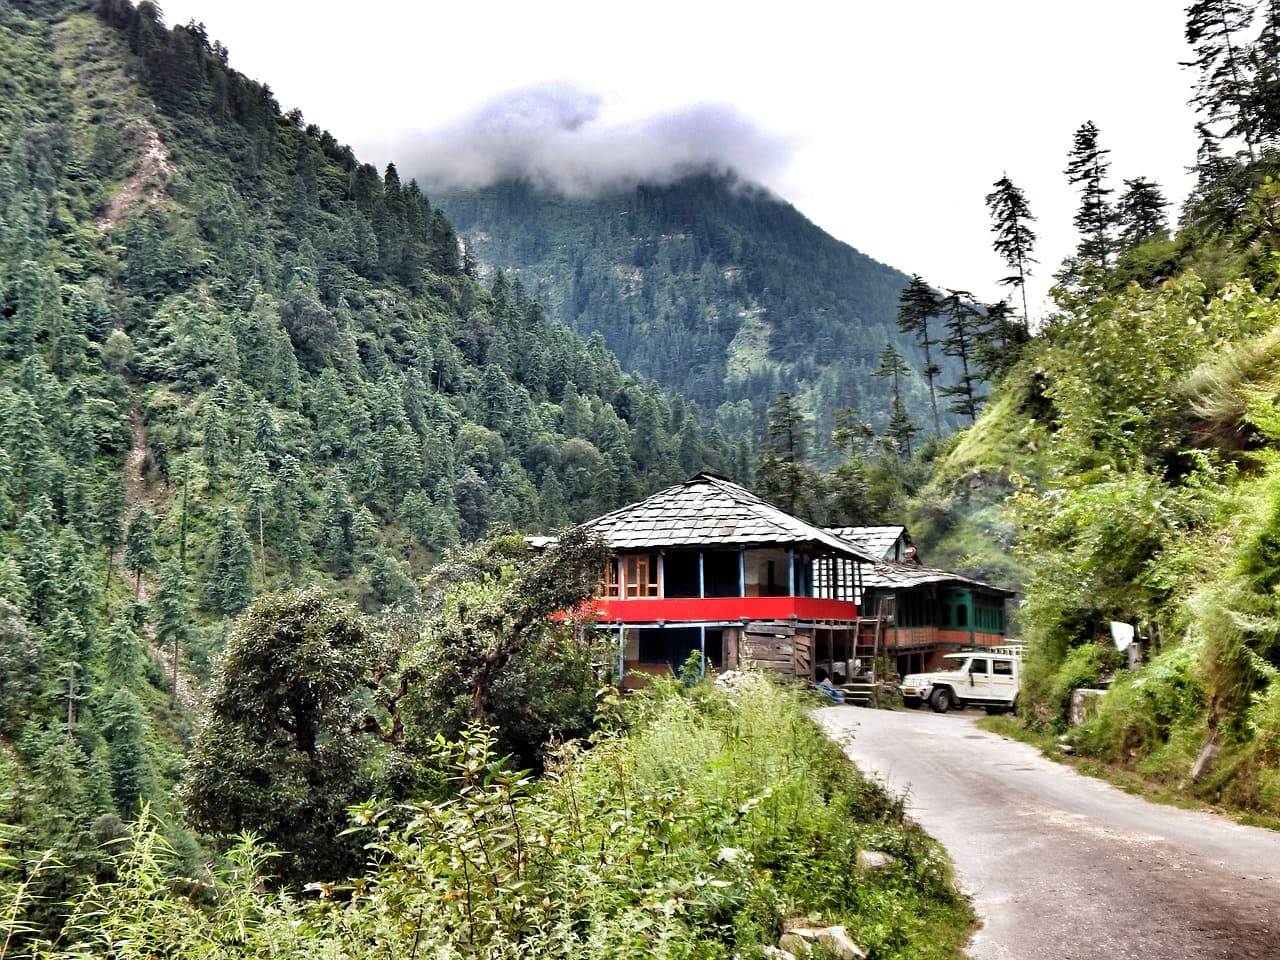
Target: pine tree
1213 29
900 429
1011 216
964 325
781 474
124 727
1087 167
1000 342
140 546
230 572
1140 213
1264 62
170 617
917 305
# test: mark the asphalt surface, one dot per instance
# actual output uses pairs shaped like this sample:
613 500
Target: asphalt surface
1060 866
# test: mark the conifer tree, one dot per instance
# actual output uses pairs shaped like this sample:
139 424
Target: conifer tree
964 325
1000 341
900 429
1140 213
140 547
230 572
124 727
1011 217
170 617
1087 167
917 305
1213 29
1264 62
781 474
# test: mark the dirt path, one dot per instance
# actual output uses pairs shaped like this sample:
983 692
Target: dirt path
1061 866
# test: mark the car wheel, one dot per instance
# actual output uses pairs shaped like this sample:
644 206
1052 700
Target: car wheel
941 700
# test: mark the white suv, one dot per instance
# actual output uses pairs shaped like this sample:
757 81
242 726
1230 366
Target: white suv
988 677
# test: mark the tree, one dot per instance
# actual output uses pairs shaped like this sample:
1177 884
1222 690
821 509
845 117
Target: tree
1264 61
1222 92
279 752
111 503
1000 341
964 325
21 656
900 428
1087 167
1014 241
493 651
169 610
1140 213
917 305
124 727
781 474
140 546
230 572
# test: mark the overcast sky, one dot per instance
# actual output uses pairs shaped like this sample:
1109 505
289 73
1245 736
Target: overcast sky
884 123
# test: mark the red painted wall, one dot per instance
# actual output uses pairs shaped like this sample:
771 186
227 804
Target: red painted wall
722 609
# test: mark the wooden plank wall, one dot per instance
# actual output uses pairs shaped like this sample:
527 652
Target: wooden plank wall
780 647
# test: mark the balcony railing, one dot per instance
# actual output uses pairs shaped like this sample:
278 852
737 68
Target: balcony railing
721 609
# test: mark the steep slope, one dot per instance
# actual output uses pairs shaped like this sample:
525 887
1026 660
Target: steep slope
233 359
709 285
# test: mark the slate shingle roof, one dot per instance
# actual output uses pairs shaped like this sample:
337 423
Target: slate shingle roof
901 576
710 511
877 541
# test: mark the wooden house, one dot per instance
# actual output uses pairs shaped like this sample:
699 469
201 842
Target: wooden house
707 567
924 612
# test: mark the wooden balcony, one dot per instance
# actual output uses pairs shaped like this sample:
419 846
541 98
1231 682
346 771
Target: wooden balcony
644 610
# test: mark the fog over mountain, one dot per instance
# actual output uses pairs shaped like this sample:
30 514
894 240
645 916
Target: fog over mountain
564 139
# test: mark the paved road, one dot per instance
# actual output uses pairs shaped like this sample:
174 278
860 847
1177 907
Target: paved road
1061 866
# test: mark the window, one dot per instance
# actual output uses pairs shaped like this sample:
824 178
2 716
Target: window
1003 668
608 585
962 615
979 666
680 574
640 575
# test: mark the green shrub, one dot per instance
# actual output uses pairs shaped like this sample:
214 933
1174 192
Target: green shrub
690 830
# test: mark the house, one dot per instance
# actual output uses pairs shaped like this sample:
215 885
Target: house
886 542
927 612
708 567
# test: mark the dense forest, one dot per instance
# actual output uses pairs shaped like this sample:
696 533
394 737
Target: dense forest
710 285
235 360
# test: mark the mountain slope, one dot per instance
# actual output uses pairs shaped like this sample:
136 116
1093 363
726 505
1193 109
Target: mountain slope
235 359
709 285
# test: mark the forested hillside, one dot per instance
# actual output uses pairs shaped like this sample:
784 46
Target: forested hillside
1129 461
234 359
710 285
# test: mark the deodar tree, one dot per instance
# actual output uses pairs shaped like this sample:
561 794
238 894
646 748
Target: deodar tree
1087 167
1010 221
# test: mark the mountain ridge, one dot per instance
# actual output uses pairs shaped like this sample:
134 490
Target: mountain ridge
712 285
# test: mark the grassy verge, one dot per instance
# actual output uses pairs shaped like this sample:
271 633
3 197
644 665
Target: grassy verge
1126 779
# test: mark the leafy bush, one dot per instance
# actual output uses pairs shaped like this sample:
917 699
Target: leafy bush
691 828
1156 714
